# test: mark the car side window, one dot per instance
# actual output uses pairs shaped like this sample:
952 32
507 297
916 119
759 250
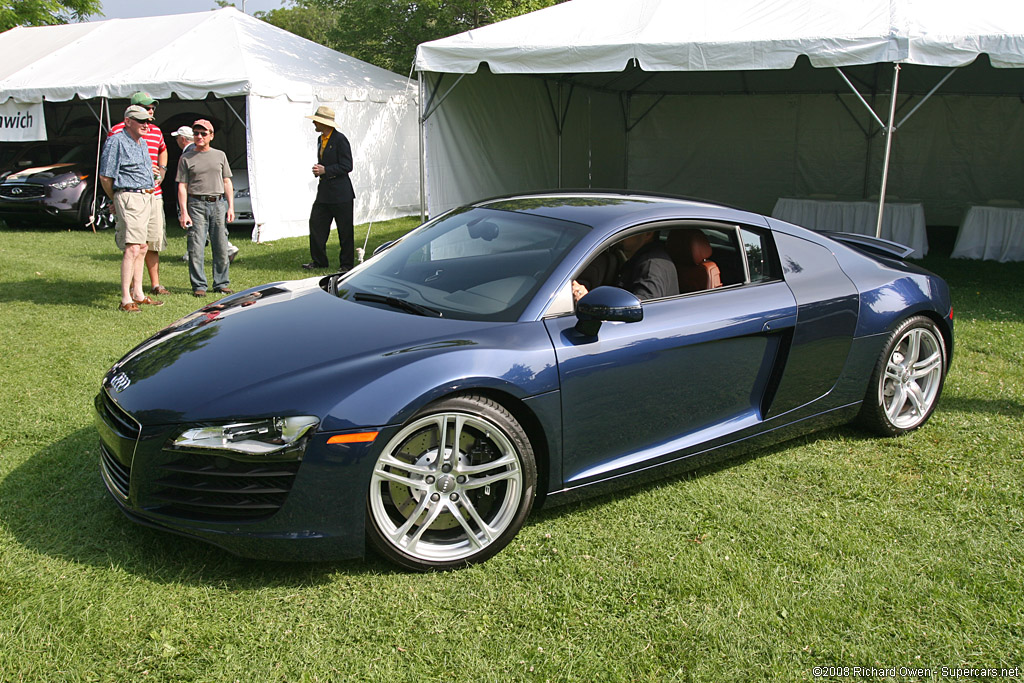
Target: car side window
762 261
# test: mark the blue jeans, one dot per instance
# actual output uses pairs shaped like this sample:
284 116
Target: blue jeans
208 219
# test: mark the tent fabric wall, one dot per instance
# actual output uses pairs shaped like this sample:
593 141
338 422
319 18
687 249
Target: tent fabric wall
473 147
749 151
730 100
228 54
384 153
499 134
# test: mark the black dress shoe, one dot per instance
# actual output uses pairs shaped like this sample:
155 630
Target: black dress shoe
313 266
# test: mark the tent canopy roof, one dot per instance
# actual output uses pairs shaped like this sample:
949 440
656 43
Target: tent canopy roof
603 36
223 52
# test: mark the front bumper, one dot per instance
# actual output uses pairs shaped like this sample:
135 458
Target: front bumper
39 201
308 509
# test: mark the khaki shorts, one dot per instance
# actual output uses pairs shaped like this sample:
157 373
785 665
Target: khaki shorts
160 229
135 224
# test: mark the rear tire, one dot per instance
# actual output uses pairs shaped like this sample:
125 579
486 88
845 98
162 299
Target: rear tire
907 380
453 487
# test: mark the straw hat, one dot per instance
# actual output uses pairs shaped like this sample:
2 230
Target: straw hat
324 115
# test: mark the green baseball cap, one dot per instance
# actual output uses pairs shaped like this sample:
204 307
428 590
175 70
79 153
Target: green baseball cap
143 98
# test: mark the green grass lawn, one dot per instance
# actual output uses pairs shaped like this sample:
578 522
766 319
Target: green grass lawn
833 550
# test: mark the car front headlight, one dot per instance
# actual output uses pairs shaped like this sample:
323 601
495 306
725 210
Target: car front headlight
258 437
71 181
244 192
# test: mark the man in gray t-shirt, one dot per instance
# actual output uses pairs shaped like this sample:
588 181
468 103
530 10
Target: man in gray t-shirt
206 198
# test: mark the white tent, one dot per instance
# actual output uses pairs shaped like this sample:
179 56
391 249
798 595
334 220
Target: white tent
214 59
741 101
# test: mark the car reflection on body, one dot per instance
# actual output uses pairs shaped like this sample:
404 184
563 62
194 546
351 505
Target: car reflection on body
428 398
53 182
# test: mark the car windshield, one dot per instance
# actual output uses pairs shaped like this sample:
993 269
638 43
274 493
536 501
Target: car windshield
20 158
473 264
78 154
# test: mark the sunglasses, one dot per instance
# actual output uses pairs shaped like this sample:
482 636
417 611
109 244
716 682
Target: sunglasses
200 133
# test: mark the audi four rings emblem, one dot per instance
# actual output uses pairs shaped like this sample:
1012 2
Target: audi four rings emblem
120 382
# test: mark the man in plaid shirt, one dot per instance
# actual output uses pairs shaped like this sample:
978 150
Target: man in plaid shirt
158 153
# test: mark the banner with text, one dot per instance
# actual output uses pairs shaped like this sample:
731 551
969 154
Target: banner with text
22 122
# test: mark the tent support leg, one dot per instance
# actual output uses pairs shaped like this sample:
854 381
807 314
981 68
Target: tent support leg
560 114
890 130
96 189
423 149
559 124
626 103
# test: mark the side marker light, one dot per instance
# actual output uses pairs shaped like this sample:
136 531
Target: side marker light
361 437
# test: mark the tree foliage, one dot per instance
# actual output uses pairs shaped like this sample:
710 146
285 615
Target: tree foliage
386 32
45 12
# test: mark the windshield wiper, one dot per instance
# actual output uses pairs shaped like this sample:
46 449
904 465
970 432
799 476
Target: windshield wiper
402 304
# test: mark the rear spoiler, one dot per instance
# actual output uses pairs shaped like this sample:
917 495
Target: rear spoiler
870 244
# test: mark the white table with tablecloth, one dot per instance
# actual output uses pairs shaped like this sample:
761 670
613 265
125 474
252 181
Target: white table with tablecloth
902 222
993 233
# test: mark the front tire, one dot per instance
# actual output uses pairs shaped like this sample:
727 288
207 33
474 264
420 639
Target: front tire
453 487
105 218
908 377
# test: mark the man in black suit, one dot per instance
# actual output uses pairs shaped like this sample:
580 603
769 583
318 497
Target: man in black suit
334 195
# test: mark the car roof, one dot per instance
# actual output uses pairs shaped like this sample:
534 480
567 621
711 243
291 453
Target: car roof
613 209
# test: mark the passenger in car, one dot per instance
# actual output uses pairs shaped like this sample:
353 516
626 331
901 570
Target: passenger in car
638 264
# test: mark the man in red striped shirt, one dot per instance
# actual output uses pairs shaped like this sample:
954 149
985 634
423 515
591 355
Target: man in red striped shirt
158 153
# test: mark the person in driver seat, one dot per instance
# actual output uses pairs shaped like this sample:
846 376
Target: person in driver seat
640 264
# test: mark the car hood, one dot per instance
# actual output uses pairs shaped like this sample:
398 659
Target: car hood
290 348
42 172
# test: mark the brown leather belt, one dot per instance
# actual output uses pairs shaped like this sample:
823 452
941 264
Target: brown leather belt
206 197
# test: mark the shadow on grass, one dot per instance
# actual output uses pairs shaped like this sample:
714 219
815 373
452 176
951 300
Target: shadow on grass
971 406
56 504
695 469
66 291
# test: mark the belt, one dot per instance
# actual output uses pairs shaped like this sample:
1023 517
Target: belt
206 197
139 190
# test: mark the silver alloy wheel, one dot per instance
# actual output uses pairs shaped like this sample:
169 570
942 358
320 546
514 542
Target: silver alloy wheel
913 378
446 487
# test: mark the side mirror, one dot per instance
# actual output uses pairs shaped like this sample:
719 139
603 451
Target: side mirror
606 304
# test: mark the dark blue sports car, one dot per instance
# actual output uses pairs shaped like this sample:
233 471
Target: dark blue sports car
427 399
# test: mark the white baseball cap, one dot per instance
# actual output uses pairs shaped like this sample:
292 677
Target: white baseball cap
184 131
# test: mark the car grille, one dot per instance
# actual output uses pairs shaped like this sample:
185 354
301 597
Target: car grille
119 434
116 418
22 191
114 472
219 489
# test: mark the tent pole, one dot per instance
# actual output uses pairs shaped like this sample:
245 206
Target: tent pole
96 189
423 149
926 98
626 129
559 123
888 147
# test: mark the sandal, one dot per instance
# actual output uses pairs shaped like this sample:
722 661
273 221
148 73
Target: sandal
160 290
146 301
129 308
